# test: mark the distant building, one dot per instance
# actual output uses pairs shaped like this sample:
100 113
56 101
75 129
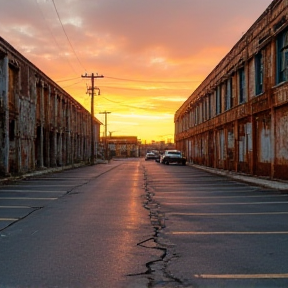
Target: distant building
237 119
120 146
41 125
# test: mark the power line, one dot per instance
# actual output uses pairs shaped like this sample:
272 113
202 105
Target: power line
149 81
144 81
65 80
131 106
67 36
72 84
57 44
125 105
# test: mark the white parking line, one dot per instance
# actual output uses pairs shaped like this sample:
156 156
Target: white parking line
243 276
227 214
15 207
228 233
223 203
43 185
26 198
30 191
219 197
9 219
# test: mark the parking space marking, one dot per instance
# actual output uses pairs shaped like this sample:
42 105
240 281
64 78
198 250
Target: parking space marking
26 198
228 214
221 197
30 191
15 207
243 276
228 233
9 219
223 203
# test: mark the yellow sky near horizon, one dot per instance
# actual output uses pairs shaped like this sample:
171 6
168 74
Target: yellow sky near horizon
153 54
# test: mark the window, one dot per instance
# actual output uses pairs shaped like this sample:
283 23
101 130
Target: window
242 96
259 69
197 115
228 102
210 106
201 112
218 100
282 57
205 109
11 130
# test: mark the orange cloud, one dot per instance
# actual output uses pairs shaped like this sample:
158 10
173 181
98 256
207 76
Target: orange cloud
153 54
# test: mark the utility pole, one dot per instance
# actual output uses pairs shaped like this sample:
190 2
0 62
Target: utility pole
105 134
92 77
105 112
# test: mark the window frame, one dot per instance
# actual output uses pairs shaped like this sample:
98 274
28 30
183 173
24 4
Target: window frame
218 100
242 88
282 57
259 73
229 94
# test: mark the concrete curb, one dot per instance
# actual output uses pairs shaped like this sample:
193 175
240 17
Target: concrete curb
273 184
44 171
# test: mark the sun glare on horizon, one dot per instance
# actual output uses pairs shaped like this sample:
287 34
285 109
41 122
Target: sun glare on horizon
151 65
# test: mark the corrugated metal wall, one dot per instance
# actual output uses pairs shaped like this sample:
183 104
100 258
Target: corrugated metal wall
41 124
246 129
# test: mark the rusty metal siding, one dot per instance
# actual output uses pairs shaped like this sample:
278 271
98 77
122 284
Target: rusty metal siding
249 137
230 148
41 124
4 114
281 135
263 140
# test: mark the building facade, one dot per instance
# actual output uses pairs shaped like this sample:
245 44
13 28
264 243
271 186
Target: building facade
41 125
120 146
237 119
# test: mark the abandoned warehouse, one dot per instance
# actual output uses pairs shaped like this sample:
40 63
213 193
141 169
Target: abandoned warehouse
41 125
237 119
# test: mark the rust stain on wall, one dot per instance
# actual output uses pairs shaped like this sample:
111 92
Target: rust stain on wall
41 124
241 108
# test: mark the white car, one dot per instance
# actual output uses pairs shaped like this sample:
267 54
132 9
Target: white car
173 156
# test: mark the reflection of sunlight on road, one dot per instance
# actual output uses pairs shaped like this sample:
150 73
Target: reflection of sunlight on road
131 220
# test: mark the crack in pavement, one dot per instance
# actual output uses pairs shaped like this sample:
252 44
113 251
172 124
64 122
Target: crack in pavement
72 191
22 218
157 271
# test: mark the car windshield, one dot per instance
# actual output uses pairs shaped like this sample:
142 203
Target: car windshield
175 153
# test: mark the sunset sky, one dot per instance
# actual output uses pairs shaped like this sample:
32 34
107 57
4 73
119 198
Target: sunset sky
152 53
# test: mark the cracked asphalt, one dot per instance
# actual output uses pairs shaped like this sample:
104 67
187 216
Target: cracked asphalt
139 224
216 231
77 228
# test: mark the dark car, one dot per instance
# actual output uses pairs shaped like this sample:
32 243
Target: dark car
150 156
173 156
